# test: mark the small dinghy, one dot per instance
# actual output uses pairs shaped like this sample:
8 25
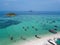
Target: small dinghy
37 36
51 42
53 31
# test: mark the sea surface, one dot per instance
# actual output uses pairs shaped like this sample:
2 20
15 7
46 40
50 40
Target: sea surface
23 27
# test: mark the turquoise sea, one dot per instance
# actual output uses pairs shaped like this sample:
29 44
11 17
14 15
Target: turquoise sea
23 27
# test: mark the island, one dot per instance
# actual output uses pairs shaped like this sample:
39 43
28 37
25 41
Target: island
10 14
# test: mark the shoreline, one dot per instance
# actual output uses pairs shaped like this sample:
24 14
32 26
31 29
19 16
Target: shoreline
37 41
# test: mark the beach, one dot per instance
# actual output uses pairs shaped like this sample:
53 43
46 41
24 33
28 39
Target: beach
42 41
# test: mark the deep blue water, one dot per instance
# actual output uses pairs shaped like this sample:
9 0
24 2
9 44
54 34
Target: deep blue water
30 13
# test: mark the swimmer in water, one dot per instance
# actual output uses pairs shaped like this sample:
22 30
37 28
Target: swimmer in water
55 29
11 38
23 27
27 27
56 26
54 21
36 29
33 27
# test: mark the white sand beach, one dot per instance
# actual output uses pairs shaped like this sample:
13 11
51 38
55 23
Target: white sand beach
42 41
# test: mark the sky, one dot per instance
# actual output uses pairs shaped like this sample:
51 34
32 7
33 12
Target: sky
26 5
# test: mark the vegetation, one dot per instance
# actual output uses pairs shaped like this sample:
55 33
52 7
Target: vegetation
11 14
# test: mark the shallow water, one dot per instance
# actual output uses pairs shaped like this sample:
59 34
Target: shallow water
22 27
